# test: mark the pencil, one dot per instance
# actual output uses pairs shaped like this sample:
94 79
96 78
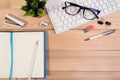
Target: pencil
33 60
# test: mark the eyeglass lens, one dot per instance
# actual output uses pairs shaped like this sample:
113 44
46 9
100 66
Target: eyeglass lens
72 10
89 14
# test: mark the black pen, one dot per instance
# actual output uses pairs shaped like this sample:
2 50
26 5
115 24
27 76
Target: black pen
100 35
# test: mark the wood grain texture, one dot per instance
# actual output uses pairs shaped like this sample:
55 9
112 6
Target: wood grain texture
27 79
82 76
17 4
83 61
5 4
76 54
7 79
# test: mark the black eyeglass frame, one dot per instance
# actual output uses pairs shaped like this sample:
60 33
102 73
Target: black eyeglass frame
82 7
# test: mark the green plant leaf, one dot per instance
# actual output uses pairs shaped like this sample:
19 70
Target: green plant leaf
25 8
42 3
29 1
40 12
34 7
34 4
30 13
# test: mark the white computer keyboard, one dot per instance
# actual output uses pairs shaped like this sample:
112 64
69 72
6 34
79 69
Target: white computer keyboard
62 21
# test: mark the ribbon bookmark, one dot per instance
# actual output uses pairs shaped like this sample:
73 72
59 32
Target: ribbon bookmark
11 56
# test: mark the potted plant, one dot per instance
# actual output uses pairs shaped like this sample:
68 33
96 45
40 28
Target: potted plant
34 8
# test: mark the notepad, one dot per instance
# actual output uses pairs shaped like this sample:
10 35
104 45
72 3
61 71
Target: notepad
23 49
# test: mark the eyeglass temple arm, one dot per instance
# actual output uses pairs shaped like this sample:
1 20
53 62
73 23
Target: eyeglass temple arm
97 14
63 7
98 11
70 4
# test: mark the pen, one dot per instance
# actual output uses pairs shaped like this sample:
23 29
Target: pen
33 60
100 35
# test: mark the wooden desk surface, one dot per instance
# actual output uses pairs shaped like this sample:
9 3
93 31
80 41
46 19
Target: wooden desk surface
69 57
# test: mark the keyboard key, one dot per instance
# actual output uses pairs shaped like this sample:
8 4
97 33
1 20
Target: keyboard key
66 16
78 21
118 4
90 2
85 3
73 23
56 20
59 14
78 16
65 26
101 2
65 22
105 10
109 8
114 7
69 25
62 18
112 3
69 20
97 4
104 7
100 8
59 24
77 1
105 1
54 16
59 29
73 18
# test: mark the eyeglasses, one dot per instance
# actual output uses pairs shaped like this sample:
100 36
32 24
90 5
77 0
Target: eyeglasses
73 9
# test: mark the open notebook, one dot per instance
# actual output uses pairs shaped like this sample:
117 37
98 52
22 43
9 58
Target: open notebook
23 44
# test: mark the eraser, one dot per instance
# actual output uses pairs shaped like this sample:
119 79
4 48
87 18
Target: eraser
44 24
89 28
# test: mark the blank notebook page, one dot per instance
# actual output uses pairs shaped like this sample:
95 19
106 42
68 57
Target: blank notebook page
24 44
4 54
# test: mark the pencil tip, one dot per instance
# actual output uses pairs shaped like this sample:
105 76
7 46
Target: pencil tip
87 39
37 42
